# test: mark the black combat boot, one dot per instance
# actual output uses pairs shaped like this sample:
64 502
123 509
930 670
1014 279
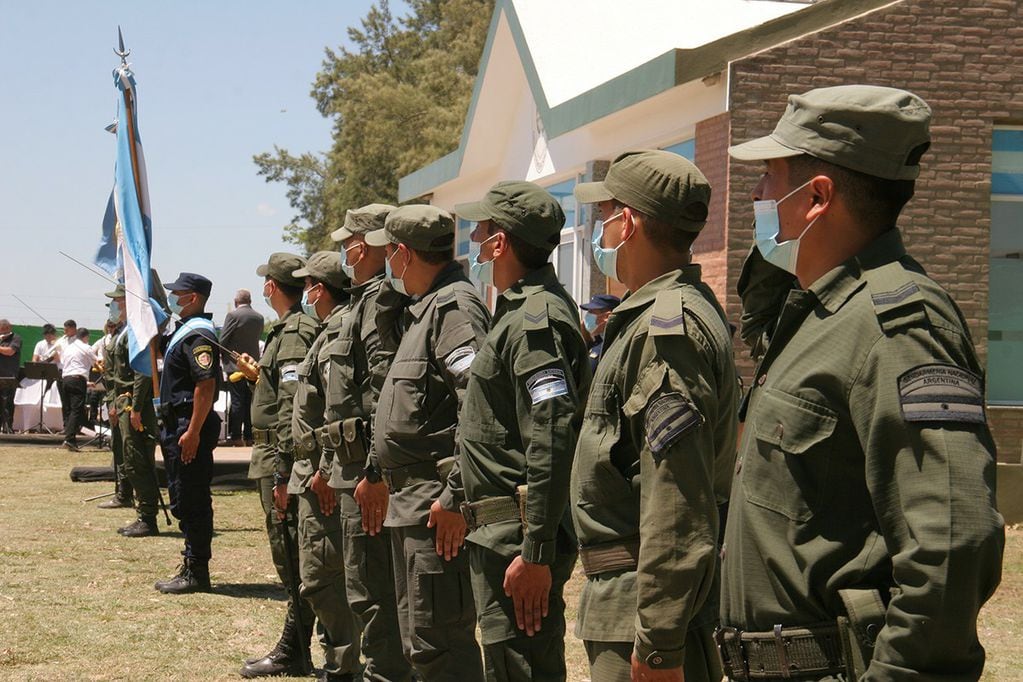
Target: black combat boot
116 502
140 528
287 657
191 577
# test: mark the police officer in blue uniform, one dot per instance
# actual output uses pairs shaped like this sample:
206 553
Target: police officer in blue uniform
188 388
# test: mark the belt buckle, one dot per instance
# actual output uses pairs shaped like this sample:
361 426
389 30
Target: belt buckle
729 666
469 514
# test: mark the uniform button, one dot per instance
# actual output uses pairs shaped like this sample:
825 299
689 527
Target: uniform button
761 379
657 660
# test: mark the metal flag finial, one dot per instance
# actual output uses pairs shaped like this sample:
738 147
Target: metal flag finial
122 53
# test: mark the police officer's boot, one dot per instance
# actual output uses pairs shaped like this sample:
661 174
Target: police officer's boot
122 496
140 528
286 658
191 577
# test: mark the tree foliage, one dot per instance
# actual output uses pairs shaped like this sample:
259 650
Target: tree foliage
398 98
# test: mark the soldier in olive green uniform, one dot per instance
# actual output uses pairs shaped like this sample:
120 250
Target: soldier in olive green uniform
132 403
517 435
272 398
123 494
657 444
358 365
414 442
320 561
862 538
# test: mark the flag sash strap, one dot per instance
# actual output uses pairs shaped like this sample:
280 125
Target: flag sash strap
192 324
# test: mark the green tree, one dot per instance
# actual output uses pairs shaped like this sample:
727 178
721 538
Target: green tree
398 99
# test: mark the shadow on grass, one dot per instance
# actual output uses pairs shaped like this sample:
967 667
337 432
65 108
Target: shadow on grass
251 591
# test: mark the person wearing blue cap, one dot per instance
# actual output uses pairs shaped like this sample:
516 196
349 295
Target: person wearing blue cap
598 310
188 388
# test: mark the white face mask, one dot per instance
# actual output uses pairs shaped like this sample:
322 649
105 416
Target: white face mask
396 280
349 268
606 259
767 226
482 273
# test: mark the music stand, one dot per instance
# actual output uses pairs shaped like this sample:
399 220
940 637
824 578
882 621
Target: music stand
47 372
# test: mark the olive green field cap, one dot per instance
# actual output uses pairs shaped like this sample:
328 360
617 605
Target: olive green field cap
324 266
118 292
660 184
280 266
874 130
362 220
524 209
418 226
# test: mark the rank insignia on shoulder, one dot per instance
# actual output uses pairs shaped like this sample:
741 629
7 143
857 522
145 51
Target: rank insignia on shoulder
289 373
667 419
460 359
943 393
546 384
204 359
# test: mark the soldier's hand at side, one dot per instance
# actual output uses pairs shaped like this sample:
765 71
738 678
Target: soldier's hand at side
372 501
112 412
281 500
641 671
450 530
529 586
324 493
136 420
248 366
189 443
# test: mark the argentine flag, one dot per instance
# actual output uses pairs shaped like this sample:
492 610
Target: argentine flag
126 243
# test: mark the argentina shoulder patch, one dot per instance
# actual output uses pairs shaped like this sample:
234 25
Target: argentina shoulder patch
668 418
460 359
546 384
289 373
942 393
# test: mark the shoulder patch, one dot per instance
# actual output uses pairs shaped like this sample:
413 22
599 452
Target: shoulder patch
534 314
203 356
668 418
668 318
546 384
460 359
289 373
943 393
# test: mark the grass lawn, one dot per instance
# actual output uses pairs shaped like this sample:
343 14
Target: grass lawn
77 600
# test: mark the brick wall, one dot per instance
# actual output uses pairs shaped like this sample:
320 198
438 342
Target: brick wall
710 249
965 58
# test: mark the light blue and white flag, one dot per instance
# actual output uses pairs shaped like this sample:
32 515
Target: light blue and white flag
127 228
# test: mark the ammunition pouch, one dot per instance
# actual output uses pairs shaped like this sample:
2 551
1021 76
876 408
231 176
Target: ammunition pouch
859 628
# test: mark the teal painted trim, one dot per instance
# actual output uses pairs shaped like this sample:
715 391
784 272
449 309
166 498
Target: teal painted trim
661 73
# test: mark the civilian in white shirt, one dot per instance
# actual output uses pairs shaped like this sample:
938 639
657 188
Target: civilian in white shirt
70 329
78 360
46 349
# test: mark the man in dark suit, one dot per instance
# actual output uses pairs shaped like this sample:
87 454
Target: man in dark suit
241 331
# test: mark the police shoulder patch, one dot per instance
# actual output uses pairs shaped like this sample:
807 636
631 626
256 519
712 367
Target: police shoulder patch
460 359
668 418
943 393
546 384
204 359
289 373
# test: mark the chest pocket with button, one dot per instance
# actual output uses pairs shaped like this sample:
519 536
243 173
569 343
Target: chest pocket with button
478 421
408 410
336 385
786 465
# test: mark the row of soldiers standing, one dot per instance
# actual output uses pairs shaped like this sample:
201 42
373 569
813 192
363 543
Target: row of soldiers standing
395 419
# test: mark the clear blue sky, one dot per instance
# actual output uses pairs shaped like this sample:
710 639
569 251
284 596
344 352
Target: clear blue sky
218 82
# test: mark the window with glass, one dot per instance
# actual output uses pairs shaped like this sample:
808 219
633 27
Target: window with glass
569 258
1005 307
686 148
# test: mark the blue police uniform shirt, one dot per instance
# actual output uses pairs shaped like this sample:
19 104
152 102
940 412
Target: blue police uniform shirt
195 358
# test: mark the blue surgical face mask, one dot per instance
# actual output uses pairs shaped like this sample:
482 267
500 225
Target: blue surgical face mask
606 259
307 307
349 268
590 320
767 226
115 312
174 303
396 281
481 273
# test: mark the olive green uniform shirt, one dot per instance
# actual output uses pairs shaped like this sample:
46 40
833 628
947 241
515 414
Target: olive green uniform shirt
125 380
521 414
417 416
654 462
309 413
273 395
866 462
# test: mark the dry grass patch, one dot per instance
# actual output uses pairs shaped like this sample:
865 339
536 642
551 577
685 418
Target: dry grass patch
77 600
